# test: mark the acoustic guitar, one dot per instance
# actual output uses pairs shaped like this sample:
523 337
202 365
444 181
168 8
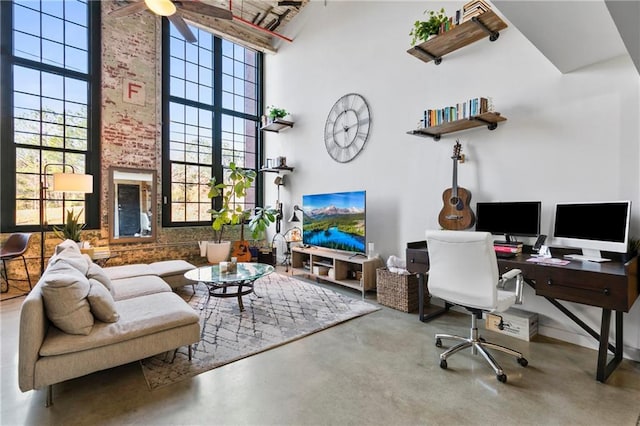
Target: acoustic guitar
240 248
456 213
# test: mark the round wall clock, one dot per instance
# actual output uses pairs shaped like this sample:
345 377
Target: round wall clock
347 127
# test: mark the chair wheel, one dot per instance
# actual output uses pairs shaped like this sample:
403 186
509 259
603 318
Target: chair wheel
523 362
501 378
439 343
443 364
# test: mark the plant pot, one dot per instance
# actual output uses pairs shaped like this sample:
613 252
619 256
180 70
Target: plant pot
218 252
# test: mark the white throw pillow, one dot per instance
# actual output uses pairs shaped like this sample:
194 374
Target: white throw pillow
97 273
65 291
101 301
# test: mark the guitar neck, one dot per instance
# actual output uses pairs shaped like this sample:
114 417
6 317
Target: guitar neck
454 184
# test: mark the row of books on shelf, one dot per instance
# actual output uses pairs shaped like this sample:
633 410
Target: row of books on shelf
461 111
507 247
468 11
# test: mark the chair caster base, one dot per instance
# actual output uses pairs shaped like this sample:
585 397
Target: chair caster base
501 378
523 362
443 364
438 343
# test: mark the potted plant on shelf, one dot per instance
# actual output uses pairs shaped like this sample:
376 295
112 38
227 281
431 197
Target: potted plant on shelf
274 112
71 228
423 30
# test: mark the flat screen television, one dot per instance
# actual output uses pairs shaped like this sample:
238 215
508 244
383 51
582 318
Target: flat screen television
335 220
592 227
510 219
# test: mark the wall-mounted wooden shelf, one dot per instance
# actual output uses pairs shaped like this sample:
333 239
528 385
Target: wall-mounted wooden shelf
277 125
486 25
489 119
278 169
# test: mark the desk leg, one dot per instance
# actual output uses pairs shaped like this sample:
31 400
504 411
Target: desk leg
422 288
605 369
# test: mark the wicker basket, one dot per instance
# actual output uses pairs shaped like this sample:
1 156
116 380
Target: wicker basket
398 291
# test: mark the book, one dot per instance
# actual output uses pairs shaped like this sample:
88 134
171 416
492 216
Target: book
508 243
505 249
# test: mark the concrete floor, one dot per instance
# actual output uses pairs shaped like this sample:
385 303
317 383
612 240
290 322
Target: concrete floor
380 369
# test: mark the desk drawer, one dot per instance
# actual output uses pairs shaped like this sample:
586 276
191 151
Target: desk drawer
417 260
606 291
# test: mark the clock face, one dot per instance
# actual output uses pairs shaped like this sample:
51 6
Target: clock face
347 127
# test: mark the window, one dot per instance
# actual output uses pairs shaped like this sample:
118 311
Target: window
50 75
210 118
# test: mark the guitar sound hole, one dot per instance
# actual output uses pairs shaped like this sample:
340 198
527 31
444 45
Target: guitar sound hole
454 201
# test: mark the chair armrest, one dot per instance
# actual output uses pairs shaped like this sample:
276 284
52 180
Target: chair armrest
510 275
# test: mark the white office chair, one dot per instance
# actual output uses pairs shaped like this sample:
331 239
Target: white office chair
463 270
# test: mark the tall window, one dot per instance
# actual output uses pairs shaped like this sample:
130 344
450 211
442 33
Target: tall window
211 118
50 79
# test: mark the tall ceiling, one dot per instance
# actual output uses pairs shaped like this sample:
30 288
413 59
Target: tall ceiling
255 23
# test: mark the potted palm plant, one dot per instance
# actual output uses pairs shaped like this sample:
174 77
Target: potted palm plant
71 228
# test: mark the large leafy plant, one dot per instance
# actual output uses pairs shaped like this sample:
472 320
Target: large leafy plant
71 228
230 213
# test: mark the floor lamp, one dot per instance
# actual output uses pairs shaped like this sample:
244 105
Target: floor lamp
62 182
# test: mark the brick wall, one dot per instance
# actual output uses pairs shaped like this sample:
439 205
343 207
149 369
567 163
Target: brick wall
130 137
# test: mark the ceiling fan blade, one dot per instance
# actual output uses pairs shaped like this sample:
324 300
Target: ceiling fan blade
204 9
129 9
182 26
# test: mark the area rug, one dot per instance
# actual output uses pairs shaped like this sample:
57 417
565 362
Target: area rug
282 310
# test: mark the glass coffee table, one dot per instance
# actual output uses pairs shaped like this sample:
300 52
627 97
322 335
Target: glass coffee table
219 282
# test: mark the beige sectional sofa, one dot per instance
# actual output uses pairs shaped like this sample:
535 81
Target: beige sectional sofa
80 318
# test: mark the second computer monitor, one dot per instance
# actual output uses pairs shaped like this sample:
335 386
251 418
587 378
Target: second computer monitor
510 219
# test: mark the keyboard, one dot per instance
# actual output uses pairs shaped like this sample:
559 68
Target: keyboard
586 258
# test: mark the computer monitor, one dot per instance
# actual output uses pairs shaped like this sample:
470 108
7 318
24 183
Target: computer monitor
593 226
511 219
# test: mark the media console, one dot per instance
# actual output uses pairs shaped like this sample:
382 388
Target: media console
353 271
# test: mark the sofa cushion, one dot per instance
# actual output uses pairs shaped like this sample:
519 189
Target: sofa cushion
172 271
171 267
139 316
97 273
126 288
68 250
103 307
65 291
127 271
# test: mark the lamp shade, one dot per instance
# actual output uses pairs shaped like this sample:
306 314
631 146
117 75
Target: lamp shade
294 217
161 7
72 182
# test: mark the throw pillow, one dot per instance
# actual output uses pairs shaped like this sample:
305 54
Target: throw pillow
101 301
97 273
65 291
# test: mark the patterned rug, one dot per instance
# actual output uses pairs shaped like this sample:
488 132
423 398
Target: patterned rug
282 309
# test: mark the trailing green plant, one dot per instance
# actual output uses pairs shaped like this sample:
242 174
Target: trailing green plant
71 228
423 29
275 112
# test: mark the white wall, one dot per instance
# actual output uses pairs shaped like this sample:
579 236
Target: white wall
571 137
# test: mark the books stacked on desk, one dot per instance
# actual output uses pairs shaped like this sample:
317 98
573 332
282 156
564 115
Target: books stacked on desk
507 249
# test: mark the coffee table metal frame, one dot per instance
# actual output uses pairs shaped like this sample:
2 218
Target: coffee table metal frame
242 280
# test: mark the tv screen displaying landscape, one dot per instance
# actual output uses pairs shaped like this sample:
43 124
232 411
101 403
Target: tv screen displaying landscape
335 220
